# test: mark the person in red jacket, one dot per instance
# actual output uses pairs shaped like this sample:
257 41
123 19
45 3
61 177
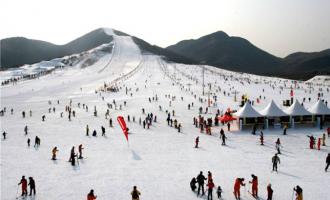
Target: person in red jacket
91 195
254 183
319 144
237 187
269 192
210 186
24 186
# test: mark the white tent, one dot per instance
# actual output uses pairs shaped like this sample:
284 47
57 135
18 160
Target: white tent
319 108
247 111
272 110
296 109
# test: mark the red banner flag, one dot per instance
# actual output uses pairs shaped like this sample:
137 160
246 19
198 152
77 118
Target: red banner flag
123 126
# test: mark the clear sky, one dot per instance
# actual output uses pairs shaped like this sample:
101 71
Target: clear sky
277 26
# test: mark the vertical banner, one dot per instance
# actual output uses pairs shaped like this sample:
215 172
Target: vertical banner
123 126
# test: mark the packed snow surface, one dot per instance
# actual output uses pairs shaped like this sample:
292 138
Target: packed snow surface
159 161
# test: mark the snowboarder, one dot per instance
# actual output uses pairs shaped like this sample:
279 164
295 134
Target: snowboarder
135 194
54 153
200 180
196 142
193 184
219 191
299 192
210 186
237 186
327 161
80 148
269 192
24 186
275 161
32 185
91 196
254 183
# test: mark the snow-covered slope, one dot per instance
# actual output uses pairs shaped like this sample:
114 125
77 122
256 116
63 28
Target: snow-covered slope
159 160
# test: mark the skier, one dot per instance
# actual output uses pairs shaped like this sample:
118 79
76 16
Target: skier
91 196
193 184
254 129
284 129
278 145
32 185
4 135
200 180
72 157
135 194
43 118
228 126
54 153
24 186
210 186
261 138
103 131
110 122
36 142
219 191
275 161
237 186
196 142
80 148
28 142
299 192
87 130
254 183
209 176
269 192
327 161
323 139
26 130
223 137
311 141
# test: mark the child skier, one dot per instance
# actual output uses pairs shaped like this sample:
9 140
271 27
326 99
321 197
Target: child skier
219 191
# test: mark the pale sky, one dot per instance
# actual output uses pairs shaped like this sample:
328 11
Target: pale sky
280 27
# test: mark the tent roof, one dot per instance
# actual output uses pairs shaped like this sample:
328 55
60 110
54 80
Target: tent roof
296 109
272 110
319 108
247 111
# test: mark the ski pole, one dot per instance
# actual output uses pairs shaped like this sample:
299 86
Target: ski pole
17 192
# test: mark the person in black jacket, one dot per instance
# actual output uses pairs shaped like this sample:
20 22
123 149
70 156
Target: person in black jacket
200 180
327 162
32 186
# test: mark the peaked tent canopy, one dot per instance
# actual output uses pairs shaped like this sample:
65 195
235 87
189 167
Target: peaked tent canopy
272 110
319 108
247 111
296 109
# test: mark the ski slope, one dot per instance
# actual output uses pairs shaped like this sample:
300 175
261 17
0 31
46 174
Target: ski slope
159 160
